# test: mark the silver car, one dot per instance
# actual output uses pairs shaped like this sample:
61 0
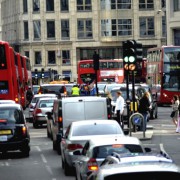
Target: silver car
78 132
96 150
146 166
35 98
41 108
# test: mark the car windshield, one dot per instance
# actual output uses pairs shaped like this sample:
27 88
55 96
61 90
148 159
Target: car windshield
104 151
159 175
95 129
11 116
46 103
124 94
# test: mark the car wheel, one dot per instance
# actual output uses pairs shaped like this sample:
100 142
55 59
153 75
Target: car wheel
25 151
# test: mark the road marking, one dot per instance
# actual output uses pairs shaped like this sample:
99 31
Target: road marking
43 158
49 170
38 148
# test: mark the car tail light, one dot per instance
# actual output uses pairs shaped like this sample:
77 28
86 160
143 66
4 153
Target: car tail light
38 111
92 165
24 130
16 100
22 97
73 147
109 116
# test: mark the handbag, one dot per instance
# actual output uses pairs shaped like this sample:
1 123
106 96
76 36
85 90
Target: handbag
172 114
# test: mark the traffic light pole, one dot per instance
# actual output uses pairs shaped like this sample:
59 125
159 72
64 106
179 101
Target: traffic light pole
97 91
128 100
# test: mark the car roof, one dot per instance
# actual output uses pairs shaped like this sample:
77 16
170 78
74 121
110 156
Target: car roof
83 98
11 105
93 121
7 101
42 95
114 139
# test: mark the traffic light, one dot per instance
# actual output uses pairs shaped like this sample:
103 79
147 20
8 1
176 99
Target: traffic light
132 52
96 60
36 73
42 73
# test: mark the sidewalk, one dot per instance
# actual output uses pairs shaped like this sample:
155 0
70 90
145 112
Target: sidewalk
143 136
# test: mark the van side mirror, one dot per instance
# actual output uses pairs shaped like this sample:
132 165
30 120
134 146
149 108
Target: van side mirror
147 149
49 115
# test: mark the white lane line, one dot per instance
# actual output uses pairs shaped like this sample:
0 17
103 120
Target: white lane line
49 170
38 148
6 164
43 158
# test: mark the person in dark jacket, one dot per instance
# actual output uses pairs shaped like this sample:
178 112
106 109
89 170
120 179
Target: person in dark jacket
144 105
29 95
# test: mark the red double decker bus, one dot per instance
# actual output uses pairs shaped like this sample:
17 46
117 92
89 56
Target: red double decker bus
22 86
109 71
6 80
163 72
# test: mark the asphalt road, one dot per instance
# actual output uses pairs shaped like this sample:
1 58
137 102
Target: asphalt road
44 163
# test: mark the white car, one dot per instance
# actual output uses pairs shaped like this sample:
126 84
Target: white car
7 102
78 132
35 98
97 149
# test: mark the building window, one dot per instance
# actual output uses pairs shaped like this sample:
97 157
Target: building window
120 4
105 4
146 4
64 5
67 75
64 29
85 29
38 58
84 5
25 6
164 26
50 29
36 6
37 29
146 26
176 5
26 30
106 27
51 57
163 3
66 57
121 27
49 5
26 53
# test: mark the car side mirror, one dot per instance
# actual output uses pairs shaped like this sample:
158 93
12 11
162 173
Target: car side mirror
147 149
77 152
49 115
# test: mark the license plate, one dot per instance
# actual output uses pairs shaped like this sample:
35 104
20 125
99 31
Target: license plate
3 138
5 132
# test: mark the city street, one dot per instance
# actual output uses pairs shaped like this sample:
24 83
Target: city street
44 163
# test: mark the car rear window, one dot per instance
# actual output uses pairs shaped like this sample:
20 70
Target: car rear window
96 129
104 151
11 116
46 103
50 89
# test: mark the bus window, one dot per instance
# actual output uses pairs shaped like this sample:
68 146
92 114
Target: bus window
3 64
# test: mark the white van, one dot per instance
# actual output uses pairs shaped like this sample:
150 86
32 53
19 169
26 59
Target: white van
70 109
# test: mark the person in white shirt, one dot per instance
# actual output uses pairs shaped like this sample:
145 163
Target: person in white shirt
119 109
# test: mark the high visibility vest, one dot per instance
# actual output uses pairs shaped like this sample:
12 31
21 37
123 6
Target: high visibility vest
75 91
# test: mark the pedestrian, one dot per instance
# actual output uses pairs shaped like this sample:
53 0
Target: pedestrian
109 99
29 95
175 105
144 107
178 123
119 108
75 90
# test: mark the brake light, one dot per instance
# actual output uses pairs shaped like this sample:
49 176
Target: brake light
38 111
16 100
60 119
73 147
92 165
24 130
109 116
22 97
3 120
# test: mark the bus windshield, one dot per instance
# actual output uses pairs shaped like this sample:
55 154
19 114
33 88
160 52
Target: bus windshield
171 69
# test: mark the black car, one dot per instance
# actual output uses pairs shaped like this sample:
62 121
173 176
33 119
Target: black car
14 134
